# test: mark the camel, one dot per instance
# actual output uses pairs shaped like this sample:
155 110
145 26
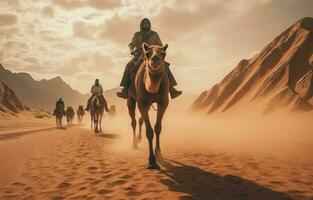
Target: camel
69 113
151 85
97 106
80 114
59 113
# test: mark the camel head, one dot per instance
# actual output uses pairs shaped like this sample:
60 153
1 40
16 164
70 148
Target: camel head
154 56
155 66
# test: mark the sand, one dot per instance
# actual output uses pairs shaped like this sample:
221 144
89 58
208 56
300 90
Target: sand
205 161
24 121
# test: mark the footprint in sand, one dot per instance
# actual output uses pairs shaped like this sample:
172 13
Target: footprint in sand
18 184
104 191
132 193
126 177
63 185
28 189
82 188
118 182
92 168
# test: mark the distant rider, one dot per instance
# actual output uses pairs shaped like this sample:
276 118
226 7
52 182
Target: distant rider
96 89
59 104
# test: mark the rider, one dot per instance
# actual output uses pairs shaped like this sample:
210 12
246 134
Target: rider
152 38
96 89
59 104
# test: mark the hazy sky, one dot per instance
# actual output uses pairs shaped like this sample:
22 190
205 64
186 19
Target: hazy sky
81 40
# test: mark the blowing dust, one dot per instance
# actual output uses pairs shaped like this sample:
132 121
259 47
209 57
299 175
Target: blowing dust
280 135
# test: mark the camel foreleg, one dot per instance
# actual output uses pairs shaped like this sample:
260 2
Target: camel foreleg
158 128
144 109
131 104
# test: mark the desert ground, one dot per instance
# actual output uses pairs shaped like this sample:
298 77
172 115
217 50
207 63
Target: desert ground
205 158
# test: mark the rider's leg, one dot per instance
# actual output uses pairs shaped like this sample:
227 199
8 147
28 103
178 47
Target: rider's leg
128 75
173 92
88 102
125 80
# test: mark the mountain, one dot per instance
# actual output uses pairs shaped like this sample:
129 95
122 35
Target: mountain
279 77
41 94
9 103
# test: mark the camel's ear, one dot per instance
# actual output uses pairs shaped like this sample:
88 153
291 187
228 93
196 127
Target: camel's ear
145 47
164 47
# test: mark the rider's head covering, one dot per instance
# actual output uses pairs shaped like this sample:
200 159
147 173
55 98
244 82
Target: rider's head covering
97 81
145 29
60 99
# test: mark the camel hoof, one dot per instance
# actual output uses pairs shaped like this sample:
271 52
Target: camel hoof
153 165
135 147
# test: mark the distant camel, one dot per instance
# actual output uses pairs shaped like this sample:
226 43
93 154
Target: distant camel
59 113
97 106
69 115
151 85
80 114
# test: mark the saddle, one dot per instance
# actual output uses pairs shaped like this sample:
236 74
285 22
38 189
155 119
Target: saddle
102 99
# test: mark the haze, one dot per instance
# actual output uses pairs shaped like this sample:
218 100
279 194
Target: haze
87 39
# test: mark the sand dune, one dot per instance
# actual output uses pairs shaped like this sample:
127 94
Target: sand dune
279 76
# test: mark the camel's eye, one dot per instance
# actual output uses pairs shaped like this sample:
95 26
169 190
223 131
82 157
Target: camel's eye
149 53
162 54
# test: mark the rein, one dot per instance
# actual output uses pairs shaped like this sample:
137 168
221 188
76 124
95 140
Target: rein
155 109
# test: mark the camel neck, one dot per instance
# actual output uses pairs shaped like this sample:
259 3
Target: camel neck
152 81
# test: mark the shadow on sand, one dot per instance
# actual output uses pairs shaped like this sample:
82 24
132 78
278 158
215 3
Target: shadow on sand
107 135
18 134
199 184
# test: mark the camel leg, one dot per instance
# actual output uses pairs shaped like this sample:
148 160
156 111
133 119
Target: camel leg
131 104
158 128
140 130
144 109
91 122
100 122
96 123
